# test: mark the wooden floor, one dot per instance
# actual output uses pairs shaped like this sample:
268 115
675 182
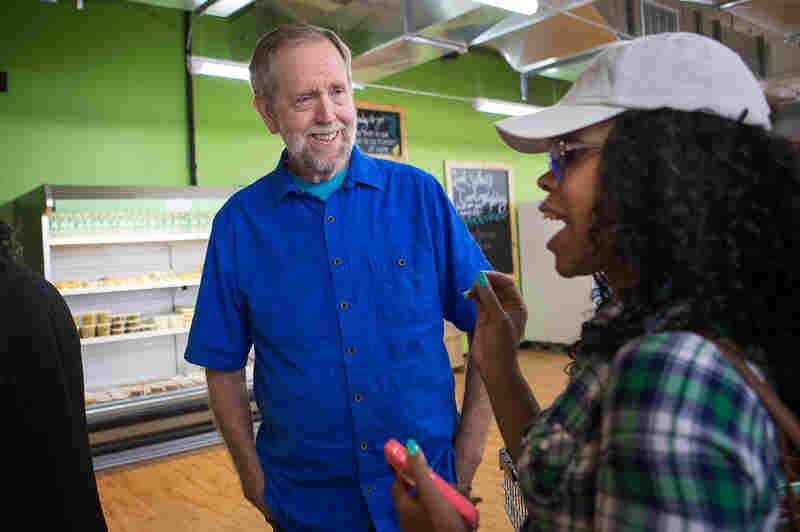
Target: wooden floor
199 491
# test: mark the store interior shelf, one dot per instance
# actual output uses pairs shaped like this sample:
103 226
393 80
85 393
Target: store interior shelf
133 336
132 238
177 283
103 412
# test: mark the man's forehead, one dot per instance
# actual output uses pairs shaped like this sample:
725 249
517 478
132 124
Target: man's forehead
313 70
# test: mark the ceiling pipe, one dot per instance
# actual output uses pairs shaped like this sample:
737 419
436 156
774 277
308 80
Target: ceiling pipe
452 46
189 85
410 35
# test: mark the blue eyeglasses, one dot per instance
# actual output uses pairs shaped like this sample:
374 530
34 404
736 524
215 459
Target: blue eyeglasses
558 156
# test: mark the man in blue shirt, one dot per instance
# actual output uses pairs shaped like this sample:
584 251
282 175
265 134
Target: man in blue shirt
338 268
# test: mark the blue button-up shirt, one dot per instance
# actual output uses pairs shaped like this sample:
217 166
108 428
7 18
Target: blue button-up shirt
343 302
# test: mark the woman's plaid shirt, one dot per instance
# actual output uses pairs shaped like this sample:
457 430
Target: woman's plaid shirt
666 436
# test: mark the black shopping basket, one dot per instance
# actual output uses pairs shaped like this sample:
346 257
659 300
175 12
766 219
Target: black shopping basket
514 502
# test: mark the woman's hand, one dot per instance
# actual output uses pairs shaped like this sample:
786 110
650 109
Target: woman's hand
428 511
502 316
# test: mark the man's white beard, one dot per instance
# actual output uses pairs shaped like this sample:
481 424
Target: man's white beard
300 151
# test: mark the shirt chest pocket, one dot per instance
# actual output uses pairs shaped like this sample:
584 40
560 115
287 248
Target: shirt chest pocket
549 452
405 289
557 467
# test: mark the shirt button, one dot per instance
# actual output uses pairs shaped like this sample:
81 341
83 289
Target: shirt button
351 350
358 398
401 262
368 488
363 446
337 261
344 305
331 219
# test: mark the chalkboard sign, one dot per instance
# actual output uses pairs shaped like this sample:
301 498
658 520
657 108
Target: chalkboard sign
381 130
483 195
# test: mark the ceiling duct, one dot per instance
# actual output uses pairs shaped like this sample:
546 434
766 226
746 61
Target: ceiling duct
389 36
558 41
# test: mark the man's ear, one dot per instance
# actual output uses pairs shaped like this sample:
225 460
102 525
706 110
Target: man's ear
260 105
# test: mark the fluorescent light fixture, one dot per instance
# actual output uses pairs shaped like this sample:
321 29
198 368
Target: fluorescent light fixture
524 7
208 66
733 3
503 108
224 8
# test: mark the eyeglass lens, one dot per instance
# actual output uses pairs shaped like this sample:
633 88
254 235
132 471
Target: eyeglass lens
556 165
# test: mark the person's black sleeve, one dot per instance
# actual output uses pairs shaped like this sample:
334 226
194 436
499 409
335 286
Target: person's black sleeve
42 393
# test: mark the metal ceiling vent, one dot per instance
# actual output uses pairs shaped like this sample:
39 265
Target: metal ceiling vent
657 18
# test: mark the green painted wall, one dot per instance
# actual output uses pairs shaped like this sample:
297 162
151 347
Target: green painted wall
97 97
94 96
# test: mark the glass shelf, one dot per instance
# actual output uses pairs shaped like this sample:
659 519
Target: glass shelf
132 238
177 283
132 336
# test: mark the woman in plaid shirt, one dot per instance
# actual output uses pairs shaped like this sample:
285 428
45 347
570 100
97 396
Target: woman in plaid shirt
682 205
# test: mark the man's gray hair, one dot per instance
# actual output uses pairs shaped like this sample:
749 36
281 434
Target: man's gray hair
262 79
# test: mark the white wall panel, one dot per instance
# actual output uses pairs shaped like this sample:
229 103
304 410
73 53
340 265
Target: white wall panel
556 306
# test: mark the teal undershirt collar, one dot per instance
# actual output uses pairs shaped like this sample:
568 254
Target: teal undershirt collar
324 189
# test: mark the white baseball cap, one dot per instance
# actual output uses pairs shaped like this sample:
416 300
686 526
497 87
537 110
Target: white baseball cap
681 71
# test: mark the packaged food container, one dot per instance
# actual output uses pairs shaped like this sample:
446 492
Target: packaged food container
175 321
103 329
103 316
88 318
86 331
132 316
162 322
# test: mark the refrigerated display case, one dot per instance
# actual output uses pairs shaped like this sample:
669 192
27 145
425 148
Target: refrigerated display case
128 261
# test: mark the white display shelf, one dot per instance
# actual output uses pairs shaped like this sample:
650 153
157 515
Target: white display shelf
129 238
178 283
133 336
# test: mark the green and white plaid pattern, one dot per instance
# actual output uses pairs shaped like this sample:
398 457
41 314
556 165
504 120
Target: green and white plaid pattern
666 436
